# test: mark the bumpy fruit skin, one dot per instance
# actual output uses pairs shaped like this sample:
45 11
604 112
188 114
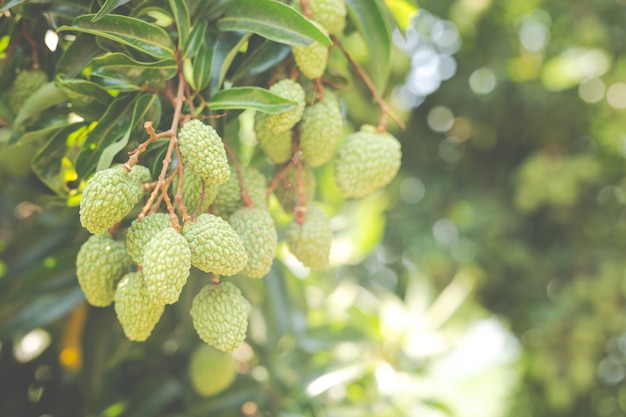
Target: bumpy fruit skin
215 246
258 232
320 130
329 13
140 174
228 197
135 310
203 152
287 190
311 59
278 147
192 188
366 161
211 371
290 90
310 241
141 232
167 260
25 84
220 317
101 262
107 198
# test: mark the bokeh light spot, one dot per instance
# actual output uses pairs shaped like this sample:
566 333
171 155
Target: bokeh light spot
616 96
592 91
440 119
482 81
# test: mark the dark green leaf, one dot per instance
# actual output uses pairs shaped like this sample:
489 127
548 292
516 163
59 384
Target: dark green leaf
78 55
272 20
8 5
46 96
131 72
225 50
88 99
110 128
144 37
254 98
181 16
107 8
147 107
260 58
372 24
202 68
195 40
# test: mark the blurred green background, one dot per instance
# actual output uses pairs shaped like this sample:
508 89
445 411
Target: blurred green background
487 280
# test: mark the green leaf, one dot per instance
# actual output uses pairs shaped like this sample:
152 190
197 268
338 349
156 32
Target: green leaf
195 40
7 6
202 68
181 17
133 73
225 51
46 96
147 107
260 57
88 99
78 55
113 124
254 98
372 24
273 20
142 36
107 8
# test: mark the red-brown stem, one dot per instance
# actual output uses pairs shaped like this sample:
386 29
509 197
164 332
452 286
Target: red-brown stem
201 199
319 89
384 108
245 197
300 210
279 177
215 280
306 11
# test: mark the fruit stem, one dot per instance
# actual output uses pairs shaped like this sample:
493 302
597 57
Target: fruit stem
306 11
245 197
384 108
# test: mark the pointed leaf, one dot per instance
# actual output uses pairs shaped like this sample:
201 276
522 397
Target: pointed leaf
107 8
142 36
12 3
195 40
183 23
147 107
110 128
369 19
254 98
225 50
123 68
260 58
88 99
202 68
46 96
78 55
272 20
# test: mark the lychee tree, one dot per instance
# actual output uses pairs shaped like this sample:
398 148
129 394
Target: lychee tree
185 138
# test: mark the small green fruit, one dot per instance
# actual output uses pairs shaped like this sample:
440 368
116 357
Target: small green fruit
287 190
278 147
192 190
329 13
320 130
310 241
311 59
142 231
290 90
228 197
258 233
203 152
211 371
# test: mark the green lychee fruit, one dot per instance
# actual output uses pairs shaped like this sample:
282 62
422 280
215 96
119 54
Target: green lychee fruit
192 190
107 198
215 246
366 161
140 174
100 264
228 198
141 232
287 190
278 147
290 90
25 84
329 13
211 370
167 260
310 241
311 59
220 316
258 232
135 310
320 130
203 152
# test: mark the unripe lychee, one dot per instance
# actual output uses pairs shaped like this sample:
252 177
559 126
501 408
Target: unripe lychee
320 130
107 198
311 59
135 310
203 152
366 161
142 231
290 90
25 84
215 246
287 190
329 13
211 370
192 189
310 241
167 260
220 316
278 147
228 198
101 262
258 232
140 174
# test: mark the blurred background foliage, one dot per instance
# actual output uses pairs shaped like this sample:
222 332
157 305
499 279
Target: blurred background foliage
487 280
